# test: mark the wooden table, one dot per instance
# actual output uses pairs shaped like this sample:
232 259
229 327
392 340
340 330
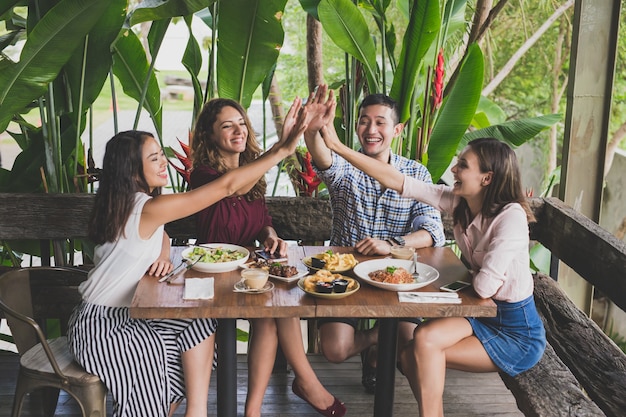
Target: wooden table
158 300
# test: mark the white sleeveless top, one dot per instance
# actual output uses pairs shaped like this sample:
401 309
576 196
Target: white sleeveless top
120 265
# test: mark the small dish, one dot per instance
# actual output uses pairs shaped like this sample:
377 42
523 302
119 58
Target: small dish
300 274
241 287
329 296
307 261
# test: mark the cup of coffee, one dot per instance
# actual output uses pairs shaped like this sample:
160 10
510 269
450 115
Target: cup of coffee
402 252
254 278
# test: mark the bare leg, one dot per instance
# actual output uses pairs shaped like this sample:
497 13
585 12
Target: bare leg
261 356
197 366
290 338
340 341
424 363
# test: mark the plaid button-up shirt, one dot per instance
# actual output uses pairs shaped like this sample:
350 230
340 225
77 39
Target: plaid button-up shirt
362 208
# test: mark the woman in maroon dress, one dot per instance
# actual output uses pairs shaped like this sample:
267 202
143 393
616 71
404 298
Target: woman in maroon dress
223 140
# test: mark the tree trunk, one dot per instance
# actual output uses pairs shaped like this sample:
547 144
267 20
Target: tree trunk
314 52
558 89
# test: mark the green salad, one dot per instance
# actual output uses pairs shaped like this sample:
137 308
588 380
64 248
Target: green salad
214 255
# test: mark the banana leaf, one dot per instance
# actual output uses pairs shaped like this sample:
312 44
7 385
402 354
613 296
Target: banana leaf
150 10
192 61
249 48
515 132
98 56
456 113
130 66
345 25
424 25
49 46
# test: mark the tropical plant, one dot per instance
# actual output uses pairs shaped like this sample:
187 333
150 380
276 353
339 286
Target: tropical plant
438 123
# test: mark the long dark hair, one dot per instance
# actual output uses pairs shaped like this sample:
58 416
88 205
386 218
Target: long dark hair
121 178
506 181
204 148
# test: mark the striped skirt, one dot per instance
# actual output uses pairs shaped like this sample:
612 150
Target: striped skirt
139 361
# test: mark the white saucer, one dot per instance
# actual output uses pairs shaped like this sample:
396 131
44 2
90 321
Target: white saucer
241 287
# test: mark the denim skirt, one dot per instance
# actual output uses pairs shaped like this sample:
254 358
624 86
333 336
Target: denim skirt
515 339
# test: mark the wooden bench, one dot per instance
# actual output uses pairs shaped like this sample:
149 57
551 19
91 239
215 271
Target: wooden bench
583 373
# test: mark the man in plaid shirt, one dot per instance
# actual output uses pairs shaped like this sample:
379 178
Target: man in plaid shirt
367 216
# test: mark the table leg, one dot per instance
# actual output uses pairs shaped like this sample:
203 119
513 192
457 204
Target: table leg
227 368
386 367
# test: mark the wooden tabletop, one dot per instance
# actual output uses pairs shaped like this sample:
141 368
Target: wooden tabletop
161 300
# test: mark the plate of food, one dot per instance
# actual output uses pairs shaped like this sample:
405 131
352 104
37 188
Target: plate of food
278 270
331 261
325 284
395 274
216 257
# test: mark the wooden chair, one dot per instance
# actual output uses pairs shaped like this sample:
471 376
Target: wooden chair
47 366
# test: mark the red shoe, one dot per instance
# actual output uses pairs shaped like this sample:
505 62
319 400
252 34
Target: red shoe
337 409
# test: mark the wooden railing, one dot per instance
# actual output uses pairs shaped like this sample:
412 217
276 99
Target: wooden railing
582 373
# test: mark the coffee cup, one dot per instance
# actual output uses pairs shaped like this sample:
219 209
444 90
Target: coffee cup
254 278
402 252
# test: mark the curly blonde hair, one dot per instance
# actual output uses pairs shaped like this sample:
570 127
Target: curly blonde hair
204 150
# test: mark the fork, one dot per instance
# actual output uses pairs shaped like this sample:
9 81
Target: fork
167 278
416 274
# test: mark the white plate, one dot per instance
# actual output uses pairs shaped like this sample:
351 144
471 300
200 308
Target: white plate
300 274
241 287
218 266
330 296
428 274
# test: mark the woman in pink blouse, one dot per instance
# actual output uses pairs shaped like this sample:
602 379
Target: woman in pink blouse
224 140
491 218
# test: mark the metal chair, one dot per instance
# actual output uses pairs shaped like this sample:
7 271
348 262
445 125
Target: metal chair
47 366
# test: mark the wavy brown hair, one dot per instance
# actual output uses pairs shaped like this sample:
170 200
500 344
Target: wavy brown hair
506 181
121 178
204 148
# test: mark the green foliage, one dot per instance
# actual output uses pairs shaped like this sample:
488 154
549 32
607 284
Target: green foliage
247 50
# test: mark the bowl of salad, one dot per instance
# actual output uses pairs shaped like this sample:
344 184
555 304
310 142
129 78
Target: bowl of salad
216 257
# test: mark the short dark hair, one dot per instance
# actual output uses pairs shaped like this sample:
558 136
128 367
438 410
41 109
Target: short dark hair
384 100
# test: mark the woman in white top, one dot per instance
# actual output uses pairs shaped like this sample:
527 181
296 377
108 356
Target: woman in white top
491 218
149 366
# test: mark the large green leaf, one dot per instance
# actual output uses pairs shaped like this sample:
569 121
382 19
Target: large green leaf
192 60
97 55
424 24
456 113
345 25
130 66
247 49
149 10
515 132
49 46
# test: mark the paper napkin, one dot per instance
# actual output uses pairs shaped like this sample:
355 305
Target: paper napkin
429 297
198 288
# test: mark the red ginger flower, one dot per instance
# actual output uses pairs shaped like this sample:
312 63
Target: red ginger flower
438 81
185 170
308 175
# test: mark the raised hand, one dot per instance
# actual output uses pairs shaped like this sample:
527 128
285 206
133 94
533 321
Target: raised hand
321 108
294 126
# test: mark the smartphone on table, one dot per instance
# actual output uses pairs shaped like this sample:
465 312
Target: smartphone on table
455 286
263 254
